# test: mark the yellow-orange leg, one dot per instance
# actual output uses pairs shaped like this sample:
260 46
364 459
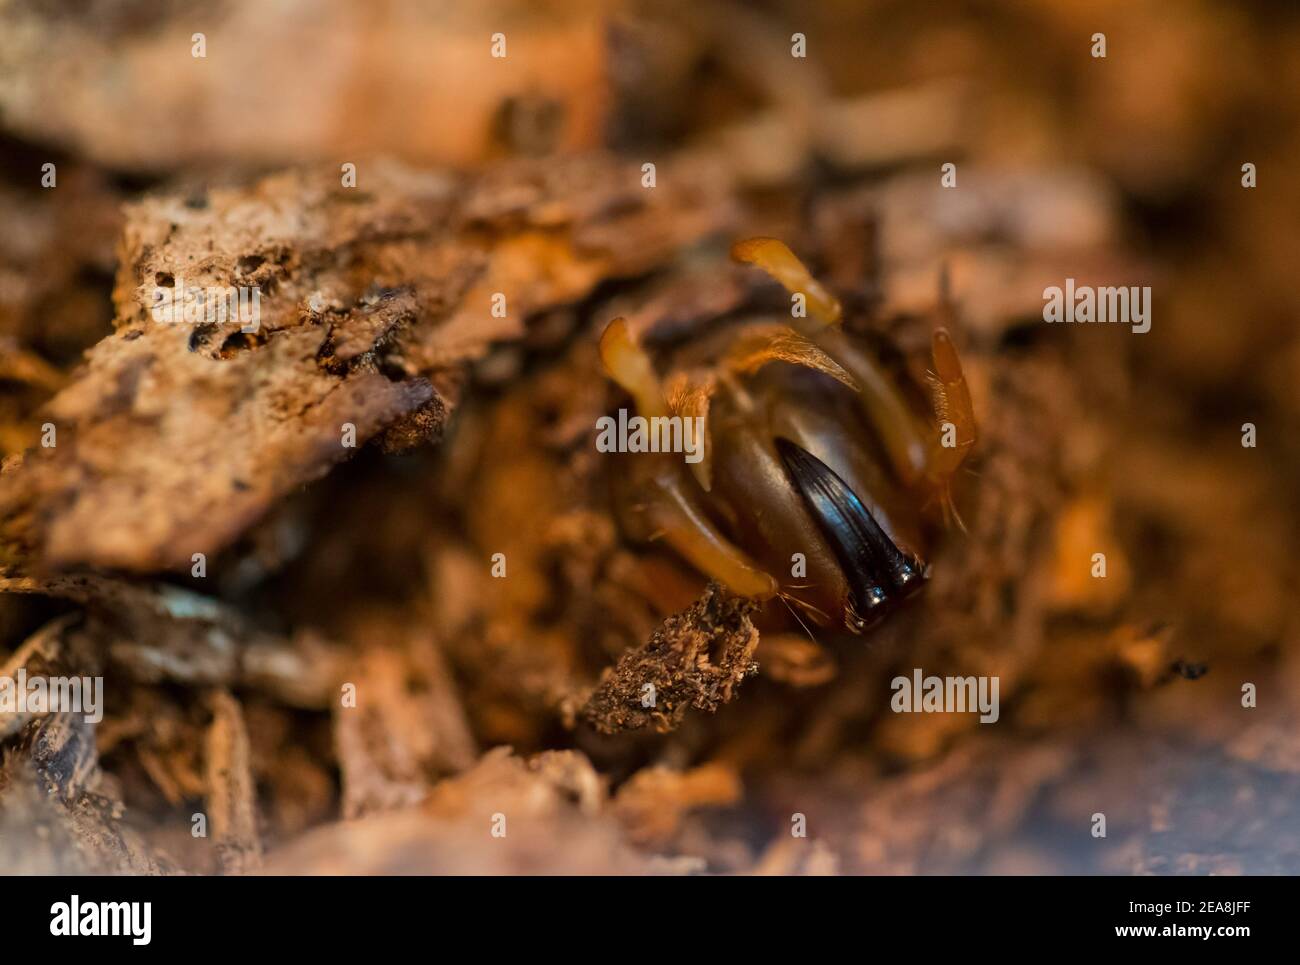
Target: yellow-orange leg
657 490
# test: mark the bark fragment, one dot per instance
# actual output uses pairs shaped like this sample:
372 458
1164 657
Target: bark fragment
695 659
232 795
176 436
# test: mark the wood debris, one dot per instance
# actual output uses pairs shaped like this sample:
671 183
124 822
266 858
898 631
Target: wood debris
353 578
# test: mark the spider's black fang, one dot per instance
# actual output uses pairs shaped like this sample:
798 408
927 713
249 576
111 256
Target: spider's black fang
879 572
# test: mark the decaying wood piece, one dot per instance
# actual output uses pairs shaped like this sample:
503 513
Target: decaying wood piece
51 784
40 654
176 436
406 726
695 659
507 815
155 633
231 792
315 81
36 834
52 791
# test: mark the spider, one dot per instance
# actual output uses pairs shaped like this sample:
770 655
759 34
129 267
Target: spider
815 463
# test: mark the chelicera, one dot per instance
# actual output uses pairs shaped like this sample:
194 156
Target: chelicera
816 466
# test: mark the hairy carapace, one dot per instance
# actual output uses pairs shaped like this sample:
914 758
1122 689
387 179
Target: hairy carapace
815 462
